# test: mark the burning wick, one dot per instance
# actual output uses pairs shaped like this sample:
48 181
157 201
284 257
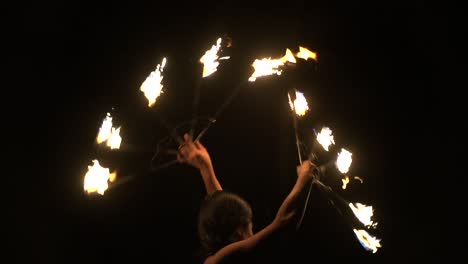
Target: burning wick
97 177
344 160
109 134
363 213
270 66
210 63
369 242
152 86
299 106
325 138
210 59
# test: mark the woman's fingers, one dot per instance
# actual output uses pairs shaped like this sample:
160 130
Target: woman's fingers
188 138
198 145
180 158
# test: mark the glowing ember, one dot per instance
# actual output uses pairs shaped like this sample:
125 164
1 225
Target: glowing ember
325 138
113 176
300 104
306 54
109 134
96 178
363 213
359 179
270 66
152 86
210 59
345 182
367 241
344 161
290 102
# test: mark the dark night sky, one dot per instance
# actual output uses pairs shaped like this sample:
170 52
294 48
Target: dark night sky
372 85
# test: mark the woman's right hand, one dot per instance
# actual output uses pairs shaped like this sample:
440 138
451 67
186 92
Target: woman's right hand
194 153
306 170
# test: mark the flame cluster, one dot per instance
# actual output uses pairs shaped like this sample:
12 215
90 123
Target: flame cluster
362 212
269 66
97 177
109 134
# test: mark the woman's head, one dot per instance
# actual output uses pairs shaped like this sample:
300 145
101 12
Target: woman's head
224 218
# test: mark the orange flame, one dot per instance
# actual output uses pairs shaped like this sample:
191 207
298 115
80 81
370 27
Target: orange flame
367 241
109 134
114 140
152 86
345 182
210 59
325 138
270 66
344 160
300 105
306 54
96 178
113 176
363 213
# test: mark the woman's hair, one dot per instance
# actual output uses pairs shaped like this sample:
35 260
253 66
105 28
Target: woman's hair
221 215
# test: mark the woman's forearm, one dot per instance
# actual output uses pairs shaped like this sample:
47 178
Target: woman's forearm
210 180
291 205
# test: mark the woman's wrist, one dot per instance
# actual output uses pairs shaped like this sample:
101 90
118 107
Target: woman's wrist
206 170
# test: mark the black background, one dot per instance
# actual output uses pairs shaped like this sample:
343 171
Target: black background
372 85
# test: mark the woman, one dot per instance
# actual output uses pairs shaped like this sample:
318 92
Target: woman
225 219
